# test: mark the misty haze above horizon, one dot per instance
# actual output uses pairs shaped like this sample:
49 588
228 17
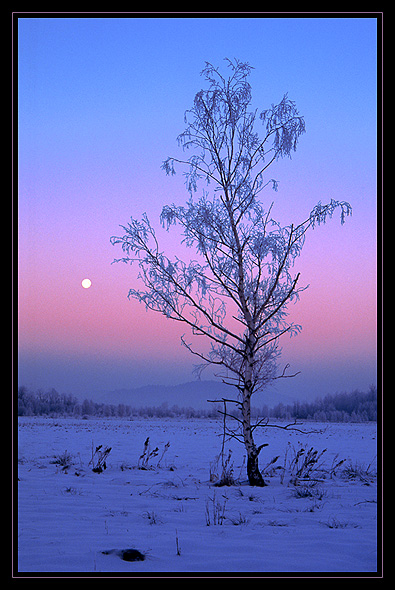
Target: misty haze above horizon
193 394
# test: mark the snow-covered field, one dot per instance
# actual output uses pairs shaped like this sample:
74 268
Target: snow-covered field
175 516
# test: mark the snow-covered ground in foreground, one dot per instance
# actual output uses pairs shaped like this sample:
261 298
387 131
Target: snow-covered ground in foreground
67 518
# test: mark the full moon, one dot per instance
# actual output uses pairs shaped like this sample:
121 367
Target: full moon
86 283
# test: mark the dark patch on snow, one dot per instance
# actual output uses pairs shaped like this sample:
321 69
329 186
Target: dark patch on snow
126 554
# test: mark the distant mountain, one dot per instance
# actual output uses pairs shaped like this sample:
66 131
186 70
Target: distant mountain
193 394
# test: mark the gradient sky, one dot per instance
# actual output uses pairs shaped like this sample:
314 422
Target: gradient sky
101 101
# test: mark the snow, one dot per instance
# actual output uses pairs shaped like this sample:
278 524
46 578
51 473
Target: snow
68 518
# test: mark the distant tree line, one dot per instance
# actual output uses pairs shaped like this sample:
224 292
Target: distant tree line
340 407
52 403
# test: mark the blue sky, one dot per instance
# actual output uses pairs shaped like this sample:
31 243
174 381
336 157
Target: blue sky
101 101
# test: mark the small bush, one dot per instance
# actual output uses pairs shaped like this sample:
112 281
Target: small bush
336 464
227 478
216 515
146 455
309 492
334 523
98 459
64 460
303 461
359 471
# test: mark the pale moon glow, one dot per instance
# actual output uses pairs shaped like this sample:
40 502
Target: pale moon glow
86 283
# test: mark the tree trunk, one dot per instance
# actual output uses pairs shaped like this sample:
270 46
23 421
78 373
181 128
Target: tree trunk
254 475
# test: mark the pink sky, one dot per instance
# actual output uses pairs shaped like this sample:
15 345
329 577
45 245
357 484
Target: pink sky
97 118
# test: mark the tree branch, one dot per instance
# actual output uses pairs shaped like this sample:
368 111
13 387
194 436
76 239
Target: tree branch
263 423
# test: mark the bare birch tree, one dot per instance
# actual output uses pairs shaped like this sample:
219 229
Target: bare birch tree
237 293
